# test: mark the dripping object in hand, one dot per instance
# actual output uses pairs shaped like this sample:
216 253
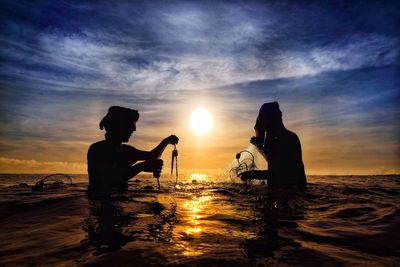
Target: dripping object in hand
174 159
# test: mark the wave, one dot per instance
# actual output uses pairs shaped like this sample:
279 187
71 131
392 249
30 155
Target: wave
193 223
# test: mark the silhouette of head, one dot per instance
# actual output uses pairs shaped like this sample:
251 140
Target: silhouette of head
269 118
119 123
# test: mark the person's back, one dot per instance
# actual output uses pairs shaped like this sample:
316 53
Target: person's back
285 165
108 166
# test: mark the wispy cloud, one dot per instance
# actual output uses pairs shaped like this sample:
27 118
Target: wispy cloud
190 46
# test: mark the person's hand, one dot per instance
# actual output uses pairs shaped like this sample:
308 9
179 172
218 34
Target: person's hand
257 142
247 175
172 139
153 165
253 140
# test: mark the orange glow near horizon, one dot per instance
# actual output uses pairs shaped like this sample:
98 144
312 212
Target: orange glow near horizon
325 150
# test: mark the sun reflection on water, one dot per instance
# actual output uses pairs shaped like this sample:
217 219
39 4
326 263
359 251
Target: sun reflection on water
193 210
194 207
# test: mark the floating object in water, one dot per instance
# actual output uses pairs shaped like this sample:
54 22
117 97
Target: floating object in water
41 185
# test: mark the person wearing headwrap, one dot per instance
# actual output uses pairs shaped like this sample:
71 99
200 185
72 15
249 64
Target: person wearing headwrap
280 147
110 163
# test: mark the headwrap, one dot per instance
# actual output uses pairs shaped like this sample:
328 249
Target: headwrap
268 111
118 116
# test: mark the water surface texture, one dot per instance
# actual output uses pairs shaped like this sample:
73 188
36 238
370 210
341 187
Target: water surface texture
338 221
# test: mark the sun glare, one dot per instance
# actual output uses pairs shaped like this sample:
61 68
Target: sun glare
200 121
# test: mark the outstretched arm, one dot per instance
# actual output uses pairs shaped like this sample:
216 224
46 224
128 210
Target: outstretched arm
156 152
106 172
151 165
254 174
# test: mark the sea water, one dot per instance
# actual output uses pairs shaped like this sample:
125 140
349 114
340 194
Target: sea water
204 220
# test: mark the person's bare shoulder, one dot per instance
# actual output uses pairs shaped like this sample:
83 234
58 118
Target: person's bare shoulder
98 146
292 135
129 149
125 146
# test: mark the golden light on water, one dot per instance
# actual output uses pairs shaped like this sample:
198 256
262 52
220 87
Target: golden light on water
194 207
201 219
193 210
198 177
201 121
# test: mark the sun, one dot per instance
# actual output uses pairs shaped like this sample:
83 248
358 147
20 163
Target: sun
201 121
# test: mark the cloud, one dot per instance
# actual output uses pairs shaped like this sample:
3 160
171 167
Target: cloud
91 66
189 46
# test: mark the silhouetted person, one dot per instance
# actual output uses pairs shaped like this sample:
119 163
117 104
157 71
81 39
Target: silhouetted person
280 147
110 163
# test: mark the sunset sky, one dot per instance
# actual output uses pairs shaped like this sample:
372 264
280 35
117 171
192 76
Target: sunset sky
333 67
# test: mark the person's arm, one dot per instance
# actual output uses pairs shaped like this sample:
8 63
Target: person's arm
156 152
260 146
151 165
254 174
